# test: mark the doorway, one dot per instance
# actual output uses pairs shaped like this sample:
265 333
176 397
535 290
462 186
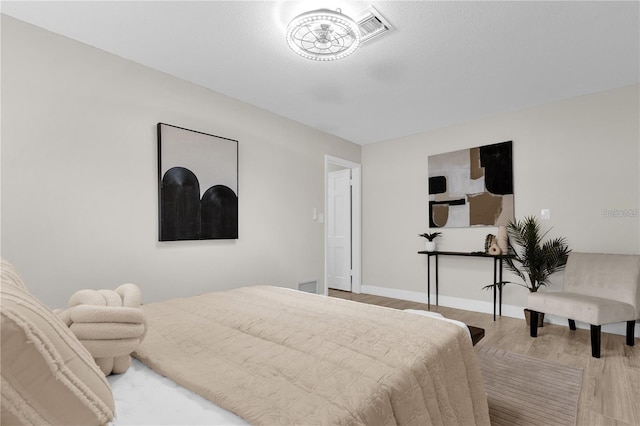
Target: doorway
342 225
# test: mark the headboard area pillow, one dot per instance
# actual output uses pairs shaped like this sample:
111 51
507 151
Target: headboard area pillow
48 377
10 276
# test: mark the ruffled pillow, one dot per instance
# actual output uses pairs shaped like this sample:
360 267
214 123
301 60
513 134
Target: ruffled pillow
48 377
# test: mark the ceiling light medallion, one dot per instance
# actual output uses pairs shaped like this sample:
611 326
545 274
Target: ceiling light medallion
323 35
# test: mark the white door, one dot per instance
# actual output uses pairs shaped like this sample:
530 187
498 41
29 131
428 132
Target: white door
339 230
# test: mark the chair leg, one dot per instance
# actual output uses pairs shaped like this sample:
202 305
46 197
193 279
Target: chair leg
631 328
595 341
572 324
533 324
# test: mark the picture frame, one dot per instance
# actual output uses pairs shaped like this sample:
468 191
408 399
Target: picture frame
472 187
197 185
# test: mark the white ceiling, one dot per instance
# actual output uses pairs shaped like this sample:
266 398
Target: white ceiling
443 63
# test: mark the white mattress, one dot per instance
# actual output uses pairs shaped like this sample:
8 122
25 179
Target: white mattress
144 397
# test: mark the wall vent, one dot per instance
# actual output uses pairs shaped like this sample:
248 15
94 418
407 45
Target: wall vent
371 24
309 287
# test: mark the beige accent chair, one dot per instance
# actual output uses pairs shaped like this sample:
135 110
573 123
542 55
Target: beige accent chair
598 289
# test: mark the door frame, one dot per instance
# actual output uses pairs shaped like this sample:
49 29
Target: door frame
356 219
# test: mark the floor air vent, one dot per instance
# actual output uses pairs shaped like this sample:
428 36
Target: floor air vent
309 287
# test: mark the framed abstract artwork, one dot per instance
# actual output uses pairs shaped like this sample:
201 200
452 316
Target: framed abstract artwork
472 187
197 185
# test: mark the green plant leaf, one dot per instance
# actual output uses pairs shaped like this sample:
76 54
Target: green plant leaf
535 260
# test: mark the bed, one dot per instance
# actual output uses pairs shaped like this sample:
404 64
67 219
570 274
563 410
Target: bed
278 356
255 355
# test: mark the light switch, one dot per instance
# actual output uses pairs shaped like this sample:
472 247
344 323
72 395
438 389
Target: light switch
545 214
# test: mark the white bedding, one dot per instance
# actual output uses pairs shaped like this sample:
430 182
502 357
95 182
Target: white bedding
440 317
144 397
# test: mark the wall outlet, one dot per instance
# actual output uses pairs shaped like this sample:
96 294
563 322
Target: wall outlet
545 214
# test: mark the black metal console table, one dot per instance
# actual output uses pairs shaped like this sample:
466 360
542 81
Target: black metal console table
497 273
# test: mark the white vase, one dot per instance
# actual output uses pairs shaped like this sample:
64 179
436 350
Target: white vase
503 239
430 245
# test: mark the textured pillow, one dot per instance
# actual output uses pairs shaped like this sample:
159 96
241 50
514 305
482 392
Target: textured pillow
109 323
10 275
48 377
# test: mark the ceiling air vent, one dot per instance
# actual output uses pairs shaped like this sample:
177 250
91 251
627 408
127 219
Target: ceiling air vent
371 24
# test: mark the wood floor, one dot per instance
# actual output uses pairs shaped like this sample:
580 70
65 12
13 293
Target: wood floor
610 392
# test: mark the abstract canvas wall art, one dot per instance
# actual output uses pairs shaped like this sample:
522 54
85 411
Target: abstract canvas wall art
472 187
197 185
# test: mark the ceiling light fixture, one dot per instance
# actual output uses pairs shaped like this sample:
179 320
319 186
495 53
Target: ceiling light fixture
323 35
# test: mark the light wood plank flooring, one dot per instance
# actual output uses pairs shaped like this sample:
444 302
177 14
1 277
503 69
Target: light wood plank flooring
610 392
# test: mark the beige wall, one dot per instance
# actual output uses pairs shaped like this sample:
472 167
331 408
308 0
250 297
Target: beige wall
79 181
79 177
576 157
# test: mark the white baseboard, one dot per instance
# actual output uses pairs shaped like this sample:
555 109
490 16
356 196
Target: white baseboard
511 311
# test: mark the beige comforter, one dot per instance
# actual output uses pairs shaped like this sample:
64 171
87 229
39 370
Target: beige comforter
278 356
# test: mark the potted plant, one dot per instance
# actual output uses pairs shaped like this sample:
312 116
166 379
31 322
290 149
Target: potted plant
532 259
430 243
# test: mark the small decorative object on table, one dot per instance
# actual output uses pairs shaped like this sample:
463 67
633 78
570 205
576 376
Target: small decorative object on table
488 242
503 239
494 250
430 243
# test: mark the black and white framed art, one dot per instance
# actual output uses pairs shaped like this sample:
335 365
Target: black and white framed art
197 185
